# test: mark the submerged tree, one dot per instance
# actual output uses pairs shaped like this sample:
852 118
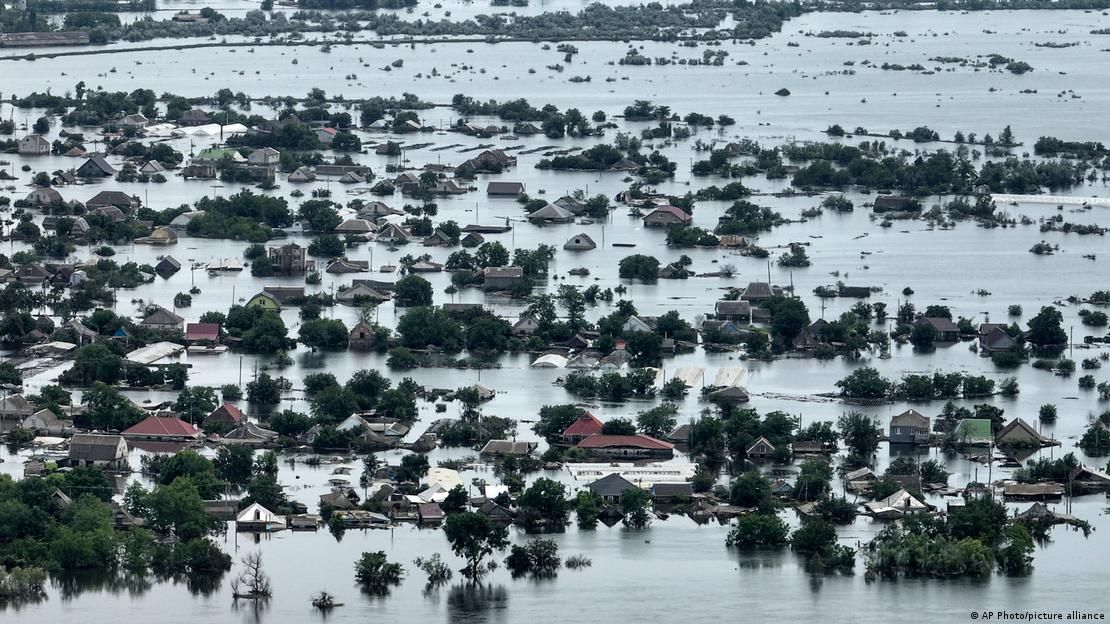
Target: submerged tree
252 583
473 536
376 574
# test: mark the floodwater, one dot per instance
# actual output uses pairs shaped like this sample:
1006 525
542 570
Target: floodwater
635 573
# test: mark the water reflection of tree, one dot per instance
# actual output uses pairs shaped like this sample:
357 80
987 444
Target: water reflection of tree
476 602
71 585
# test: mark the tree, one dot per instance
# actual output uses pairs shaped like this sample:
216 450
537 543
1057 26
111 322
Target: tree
491 255
923 336
658 421
814 536
544 503
864 383
1045 330
413 468
324 333
759 530
456 500
540 558
234 463
813 480
788 318
618 426
750 489
587 507
473 536
195 403
639 266
376 574
413 290
264 390
177 508
554 420
635 503
859 433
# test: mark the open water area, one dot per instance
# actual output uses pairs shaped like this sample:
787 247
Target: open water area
676 566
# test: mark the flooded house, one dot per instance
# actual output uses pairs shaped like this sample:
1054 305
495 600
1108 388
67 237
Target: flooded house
611 487
291 259
163 429
733 310
46 422
501 278
15 408
761 448
909 427
500 448
101 451
95 167
586 426
161 318
257 518
667 216
580 242
505 189
250 434
946 330
33 145
1017 432
637 446
224 416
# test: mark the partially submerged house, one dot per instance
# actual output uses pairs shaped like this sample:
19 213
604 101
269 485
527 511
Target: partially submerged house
508 447
257 518
611 487
909 427
163 429
946 330
226 415
1017 432
581 429
761 448
897 505
638 446
667 216
580 242
102 451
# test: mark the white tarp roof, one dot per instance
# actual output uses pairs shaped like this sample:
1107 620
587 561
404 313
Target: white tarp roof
154 352
729 376
550 360
692 376
640 474
212 129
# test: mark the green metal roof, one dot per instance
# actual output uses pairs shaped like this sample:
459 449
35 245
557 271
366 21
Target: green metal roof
973 430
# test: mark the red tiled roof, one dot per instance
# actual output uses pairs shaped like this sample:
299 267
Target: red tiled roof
637 441
584 426
233 413
162 426
674 210
202 331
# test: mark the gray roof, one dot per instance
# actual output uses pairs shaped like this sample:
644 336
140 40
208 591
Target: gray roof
732 308
110 198
508 447
910 418
162 316
503 272
611 485
93 447
505 188
758 290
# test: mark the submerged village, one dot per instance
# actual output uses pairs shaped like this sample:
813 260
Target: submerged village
362 351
